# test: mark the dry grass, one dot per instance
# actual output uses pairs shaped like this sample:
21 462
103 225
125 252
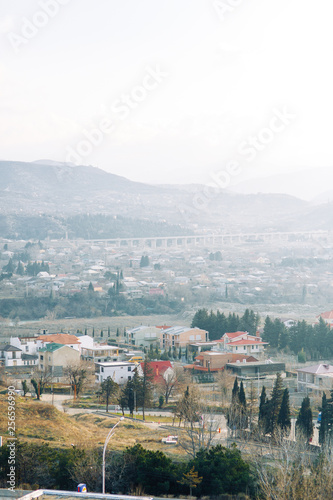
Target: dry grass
38 422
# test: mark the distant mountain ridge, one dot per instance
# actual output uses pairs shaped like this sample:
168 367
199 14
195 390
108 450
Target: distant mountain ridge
45 187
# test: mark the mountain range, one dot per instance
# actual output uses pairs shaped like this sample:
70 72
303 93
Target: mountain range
50 189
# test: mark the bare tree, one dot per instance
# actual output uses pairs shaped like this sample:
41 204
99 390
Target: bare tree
79 375
40 379
172 380
225 381
200 424
290 470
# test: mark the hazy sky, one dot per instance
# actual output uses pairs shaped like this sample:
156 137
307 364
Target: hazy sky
165 90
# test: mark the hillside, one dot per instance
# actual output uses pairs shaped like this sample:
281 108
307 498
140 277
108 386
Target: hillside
38 422
52 192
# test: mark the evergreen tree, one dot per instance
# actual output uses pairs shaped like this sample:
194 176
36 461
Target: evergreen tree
304 424
91 287
283 420
9 268
270 409
109 388
241 395
235 392
109 332
323 429
20 269
262 402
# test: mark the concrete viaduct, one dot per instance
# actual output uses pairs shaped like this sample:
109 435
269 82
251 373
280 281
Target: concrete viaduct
208 240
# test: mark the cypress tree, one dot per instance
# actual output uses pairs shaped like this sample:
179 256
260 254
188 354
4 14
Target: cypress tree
275 404
304 424
262 403
241 395
283 420
235 392
324 420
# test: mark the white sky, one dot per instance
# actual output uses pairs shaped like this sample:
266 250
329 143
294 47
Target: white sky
225 79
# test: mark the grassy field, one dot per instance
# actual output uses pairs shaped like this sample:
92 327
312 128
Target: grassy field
38 422
8 329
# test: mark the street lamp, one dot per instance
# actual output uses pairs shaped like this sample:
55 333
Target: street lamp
108 437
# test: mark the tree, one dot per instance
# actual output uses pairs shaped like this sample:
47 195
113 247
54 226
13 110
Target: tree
25 387
191 479
237 417
41 379
20 269
144 262
78 375
304 424
146 389
200 425
109 389
275 404
9 268
223 471
262 403
283 420
323 429
91 288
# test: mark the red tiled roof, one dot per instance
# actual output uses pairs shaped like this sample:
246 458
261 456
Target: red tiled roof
158 368
164 327
233 335
200 357
59 338
326 315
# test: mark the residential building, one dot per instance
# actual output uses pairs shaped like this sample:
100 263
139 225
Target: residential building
100 353
10 355
268 368
61 338
315 378
119 371
212 361
159 370
181 336
144 336
327 317
242 343
54 358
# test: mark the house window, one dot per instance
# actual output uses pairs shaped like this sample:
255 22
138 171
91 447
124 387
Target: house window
102 369
41 357
42 367
128 368
236 348
129 377
26 348
49 358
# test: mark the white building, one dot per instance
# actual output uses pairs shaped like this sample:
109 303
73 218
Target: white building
100 353
315 378
120 371
241 343
10 355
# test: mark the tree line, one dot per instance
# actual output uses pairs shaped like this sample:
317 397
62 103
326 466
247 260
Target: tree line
219 470
308 341
217 324
315 341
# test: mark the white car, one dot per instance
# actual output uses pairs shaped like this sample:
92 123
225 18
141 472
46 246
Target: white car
170 440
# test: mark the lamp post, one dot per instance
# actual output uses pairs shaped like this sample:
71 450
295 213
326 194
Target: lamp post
108 437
